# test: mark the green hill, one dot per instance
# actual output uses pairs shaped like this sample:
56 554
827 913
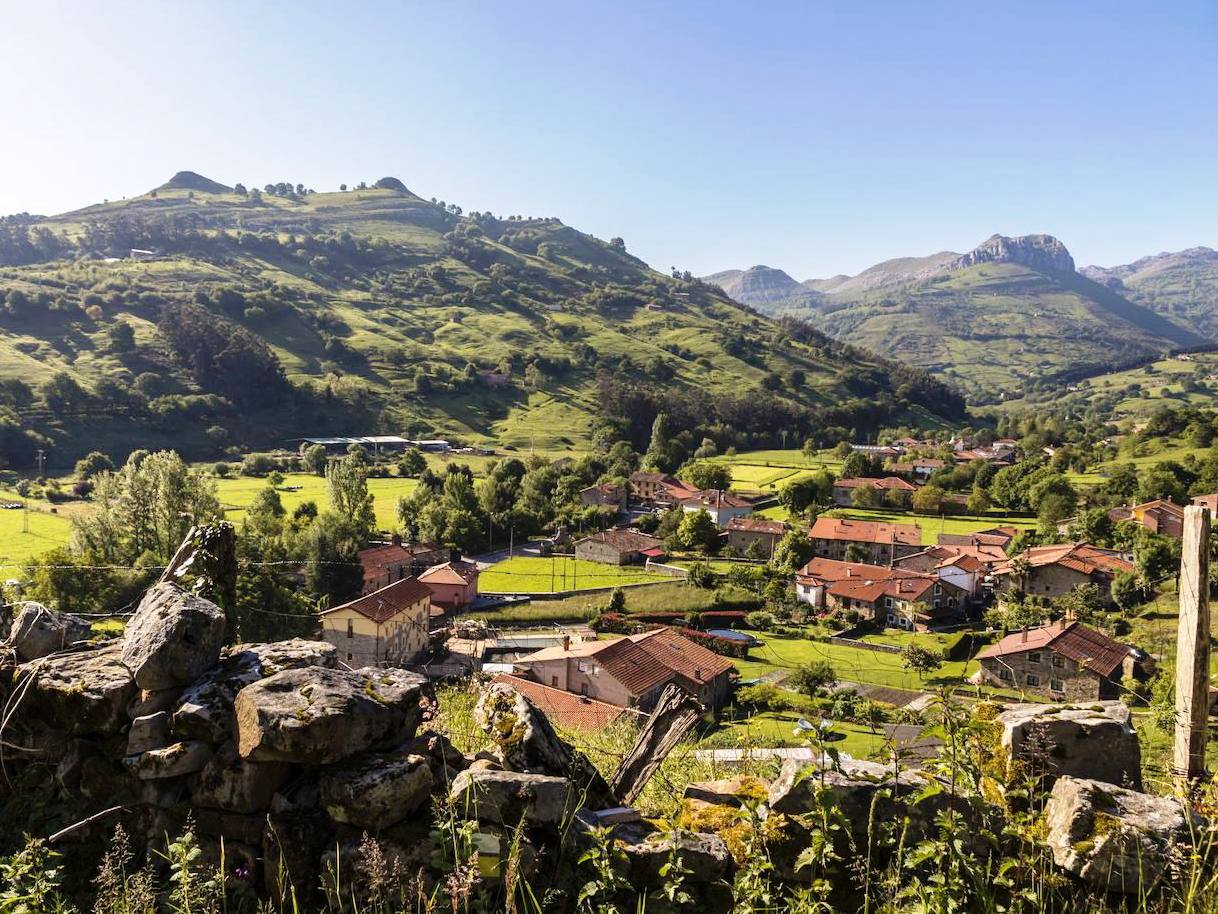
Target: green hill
1009 314
203 317
1182 286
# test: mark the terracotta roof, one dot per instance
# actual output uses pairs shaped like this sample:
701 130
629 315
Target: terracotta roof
757 525
684 656
865 531
941 556
1081 557
640 476
868 482
382 605
623 540
564 708
834 570
451 573
1089 648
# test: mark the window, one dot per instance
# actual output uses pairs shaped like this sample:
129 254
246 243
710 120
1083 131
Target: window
350 628
582 666
1004 673
1032 679
891 618
938 588
554 681
1059 661
888 602
349 655
1034 657
1056 685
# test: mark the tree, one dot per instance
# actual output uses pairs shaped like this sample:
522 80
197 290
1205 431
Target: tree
812 678
314 459
122 337
93 463
978 501
332 567
1127 591
703 474
860 464
413 463
928 499
698 531
793 551
617 601
347 487
865 497
920 660
700 576
856 552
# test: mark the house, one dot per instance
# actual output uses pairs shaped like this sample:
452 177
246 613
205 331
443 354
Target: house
1062 660
618 547
1207 501
373 443
878 450
574 712
744 533
1161 516
844 489
631 672
996 537
876 542
1053 571
653 487
949 563
894 597
720 505
452 584
383 628
920 469
385 563
604 495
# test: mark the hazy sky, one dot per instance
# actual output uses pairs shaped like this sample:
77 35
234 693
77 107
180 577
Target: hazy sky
814 136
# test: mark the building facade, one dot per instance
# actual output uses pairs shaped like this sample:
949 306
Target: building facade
384 628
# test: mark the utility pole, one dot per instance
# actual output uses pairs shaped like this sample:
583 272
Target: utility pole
1192 650
41 456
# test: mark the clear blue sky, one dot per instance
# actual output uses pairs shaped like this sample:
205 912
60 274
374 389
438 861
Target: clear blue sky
814 136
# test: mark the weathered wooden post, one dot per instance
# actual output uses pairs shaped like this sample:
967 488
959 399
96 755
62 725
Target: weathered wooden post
1193 649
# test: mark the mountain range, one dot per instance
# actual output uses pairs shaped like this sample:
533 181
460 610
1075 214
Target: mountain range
1011 315
206 317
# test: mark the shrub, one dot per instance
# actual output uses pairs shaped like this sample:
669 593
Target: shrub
761 620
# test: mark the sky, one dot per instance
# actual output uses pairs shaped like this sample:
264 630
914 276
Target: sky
819 137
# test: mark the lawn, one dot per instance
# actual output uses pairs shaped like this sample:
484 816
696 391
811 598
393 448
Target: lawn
525 574
778 728
46 531
768 471
779 655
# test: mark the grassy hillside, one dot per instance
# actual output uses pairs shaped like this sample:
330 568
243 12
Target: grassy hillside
993 327
1182 286
388 313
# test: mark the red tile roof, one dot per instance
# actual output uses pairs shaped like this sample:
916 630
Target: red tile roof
884 483
757 525
567 709
1081 557
1089 648
865 531
382 605
623 540
717 498
451 573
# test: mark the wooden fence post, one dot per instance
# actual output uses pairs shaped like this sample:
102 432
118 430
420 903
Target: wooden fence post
1193 649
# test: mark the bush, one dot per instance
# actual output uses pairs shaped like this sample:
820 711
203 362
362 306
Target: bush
813 678
761 620
725 646
257 465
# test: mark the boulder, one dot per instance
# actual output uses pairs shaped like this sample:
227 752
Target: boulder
318 716
703 857
728 792
1115 839
81 693
444 759
206 707
377 790
525 741
231 783
148 732
171 762
173 637
1096 741
38 631
504 797
153 702
293 843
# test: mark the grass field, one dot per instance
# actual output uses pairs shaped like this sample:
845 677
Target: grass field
525 574
768 471
931 525
778 655
237 493
46 531
775 728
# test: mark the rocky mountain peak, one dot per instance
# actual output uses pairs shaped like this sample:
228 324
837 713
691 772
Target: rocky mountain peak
1040 252
192 180
756 285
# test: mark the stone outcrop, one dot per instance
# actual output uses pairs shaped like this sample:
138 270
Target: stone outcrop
319 716
509 797
37 632
1114 839
1096 740
378 790
173 638
1040 252
81 693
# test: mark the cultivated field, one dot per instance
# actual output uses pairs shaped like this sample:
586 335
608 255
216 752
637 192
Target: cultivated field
525 574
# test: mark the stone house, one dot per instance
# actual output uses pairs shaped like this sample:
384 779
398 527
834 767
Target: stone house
384 628
1053 571
1064 660
452 584
886 597
631 672
744 532
886 488
720 505
604 495
385 563
653 488
953 564
618 547
880 543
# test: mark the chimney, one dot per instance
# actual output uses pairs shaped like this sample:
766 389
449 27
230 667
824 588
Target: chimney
566 642
1023 635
